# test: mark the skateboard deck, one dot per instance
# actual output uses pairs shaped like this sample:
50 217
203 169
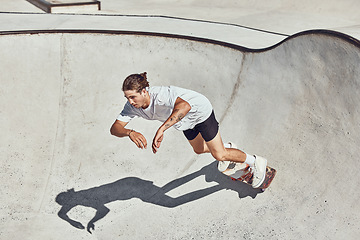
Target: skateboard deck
242 172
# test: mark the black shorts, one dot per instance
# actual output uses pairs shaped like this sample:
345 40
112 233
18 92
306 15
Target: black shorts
208 129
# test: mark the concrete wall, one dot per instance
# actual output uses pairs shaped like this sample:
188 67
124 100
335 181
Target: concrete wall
295 104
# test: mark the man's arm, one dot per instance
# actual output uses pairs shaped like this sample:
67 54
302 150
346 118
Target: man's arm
181 108
118 129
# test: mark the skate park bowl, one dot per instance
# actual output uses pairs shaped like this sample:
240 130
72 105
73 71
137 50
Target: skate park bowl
295 103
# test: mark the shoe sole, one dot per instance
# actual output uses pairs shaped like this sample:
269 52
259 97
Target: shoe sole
264 175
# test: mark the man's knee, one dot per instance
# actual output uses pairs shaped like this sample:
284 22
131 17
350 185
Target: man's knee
199 151
219 156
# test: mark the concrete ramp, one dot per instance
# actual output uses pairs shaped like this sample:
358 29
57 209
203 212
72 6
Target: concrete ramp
295 103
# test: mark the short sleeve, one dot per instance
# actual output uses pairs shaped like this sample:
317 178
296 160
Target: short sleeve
166 96
127 114
173 95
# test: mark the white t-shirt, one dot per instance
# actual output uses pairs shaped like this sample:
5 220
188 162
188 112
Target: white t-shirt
162 101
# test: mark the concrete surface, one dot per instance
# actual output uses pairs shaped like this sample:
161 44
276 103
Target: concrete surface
252 24
294 103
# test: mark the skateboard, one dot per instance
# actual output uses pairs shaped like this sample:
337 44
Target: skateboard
242 172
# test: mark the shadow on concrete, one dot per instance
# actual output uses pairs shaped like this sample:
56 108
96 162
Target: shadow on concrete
132 187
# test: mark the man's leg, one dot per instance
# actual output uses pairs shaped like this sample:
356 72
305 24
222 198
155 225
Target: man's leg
217 149
199 145
220 153
205 137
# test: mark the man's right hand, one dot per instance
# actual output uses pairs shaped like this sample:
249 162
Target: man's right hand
138 139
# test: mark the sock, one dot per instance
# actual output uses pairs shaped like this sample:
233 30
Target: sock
250 160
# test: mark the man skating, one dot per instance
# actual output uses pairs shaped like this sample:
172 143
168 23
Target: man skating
187 111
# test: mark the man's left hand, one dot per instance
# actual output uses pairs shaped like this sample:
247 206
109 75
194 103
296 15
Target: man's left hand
159 136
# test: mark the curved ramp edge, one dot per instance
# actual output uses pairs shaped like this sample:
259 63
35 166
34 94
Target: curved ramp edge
295 103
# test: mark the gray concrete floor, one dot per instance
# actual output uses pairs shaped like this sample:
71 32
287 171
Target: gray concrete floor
295 104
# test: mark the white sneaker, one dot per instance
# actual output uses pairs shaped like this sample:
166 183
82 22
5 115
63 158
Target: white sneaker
259 171
223 165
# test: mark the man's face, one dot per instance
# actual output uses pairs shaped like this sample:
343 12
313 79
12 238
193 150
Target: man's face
137 99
